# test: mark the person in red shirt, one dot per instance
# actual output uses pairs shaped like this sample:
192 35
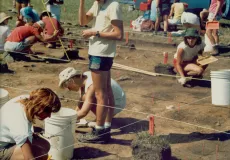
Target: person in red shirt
23 37
51 25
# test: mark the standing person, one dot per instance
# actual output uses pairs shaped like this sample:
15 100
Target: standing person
4 29
52 24
17 117
21 4
107 28
215 14
74 80
185 59
54 7
175 14
162 11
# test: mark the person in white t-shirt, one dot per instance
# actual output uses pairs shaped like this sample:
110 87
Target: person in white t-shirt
185 59
74 80
4 29
16 130
107 28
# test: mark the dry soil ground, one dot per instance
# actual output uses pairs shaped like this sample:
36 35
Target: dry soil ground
145 95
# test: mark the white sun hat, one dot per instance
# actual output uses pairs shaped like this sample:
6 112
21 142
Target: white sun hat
66 74
41 24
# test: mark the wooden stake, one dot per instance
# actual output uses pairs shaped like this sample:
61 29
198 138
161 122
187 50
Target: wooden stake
127 38
169 37
151 125
217 149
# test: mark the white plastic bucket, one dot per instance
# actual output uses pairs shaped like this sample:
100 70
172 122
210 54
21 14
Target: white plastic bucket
220 83
61 128
4 96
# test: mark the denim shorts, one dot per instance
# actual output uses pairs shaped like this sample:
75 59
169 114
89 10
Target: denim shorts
97 63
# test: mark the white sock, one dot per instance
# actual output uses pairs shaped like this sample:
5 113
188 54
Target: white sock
107 124
99 127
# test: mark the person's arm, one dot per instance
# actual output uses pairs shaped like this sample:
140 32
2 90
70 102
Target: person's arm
117 34
218 7
84 18
42 39
171 11
179 62
27 150
87 105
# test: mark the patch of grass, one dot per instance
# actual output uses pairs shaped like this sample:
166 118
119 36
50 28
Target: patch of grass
69 10
148 147
150 141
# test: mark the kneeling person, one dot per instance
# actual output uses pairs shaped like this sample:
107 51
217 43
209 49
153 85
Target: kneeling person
74 80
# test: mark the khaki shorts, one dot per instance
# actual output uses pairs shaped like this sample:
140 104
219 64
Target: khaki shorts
6 153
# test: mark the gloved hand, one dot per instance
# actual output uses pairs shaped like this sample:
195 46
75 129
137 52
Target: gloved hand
182 80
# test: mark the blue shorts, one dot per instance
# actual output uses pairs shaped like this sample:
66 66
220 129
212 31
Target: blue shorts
97 63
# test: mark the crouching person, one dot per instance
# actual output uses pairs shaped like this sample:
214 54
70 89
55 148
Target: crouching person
16 130
22 38
51 25
74 80
185 59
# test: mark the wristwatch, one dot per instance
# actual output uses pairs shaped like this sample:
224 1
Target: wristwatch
97 34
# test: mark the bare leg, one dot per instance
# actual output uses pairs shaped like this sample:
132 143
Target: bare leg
18 8
193 69
101 91
111 102
215 36
165 23
39 147
157 23
210 36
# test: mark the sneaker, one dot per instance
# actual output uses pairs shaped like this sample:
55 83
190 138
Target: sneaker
165 34
96 136
215 51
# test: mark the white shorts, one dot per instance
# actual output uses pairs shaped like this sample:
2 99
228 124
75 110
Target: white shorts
174 21
211 17
119 105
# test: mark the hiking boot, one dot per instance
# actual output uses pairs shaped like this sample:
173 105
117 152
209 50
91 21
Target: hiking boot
96 136
108 134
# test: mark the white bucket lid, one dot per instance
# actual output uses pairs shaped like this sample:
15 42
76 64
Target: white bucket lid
64 112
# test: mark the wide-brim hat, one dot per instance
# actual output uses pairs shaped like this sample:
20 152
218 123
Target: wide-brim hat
66 74
4 16
192 32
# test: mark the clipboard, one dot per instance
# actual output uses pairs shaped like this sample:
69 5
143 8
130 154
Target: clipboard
212 25
204 60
